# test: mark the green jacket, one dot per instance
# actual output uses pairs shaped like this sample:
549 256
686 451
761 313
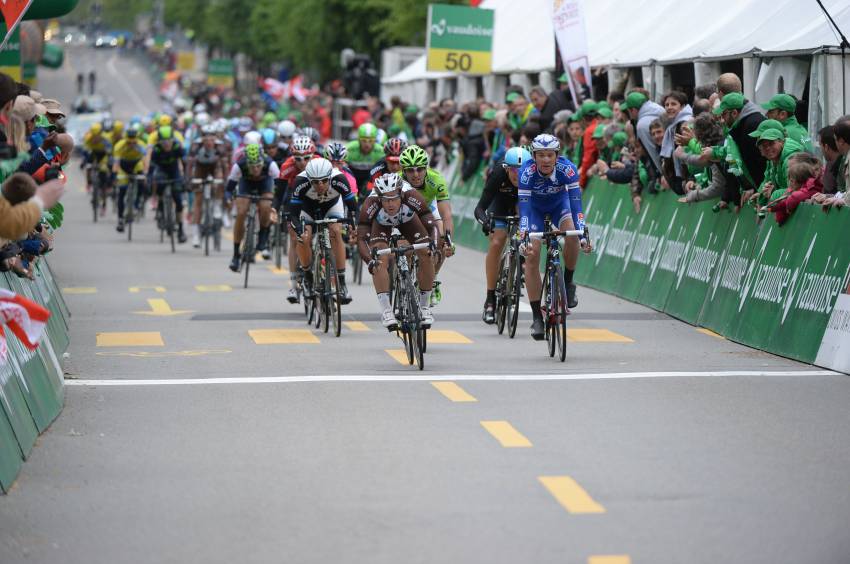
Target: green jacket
798 133
777 173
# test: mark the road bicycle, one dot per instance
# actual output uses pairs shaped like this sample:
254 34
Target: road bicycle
211 212
167 211
131 197
509 283
249 241
326 297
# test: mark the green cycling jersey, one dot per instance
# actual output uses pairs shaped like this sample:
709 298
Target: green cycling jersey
434 187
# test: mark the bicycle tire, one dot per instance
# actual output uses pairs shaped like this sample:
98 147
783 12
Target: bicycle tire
326 291
548 316
516 292
170 226
278 242
560 319
129 209
206 225
94 196
502 294
335 301
248 245
424 339
420 347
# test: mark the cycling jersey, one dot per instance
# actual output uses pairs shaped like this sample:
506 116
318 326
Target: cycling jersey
129 150
306 198
96 144
166 161
153 138
414 220
557 195
499 195
361 164
262 182
434 188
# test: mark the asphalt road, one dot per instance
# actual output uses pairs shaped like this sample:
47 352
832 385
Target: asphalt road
184 440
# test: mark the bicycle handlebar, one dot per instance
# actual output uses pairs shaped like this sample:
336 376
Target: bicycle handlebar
556 233
328 220
253 197
401 250
208 180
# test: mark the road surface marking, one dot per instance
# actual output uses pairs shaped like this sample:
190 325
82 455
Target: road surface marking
524 306
79 290
454 392
278 271
442 337
283 336
137 289
214 288
357 326
162 354
414 377
506 434
595 336
134 339
160 308
571 495
710 333
610 559
398 354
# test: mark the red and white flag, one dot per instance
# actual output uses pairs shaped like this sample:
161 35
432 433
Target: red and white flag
25 318
13 13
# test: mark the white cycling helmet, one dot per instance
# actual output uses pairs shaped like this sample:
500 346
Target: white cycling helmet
199 108
202 119
318 169
303 145
286 128
545 142
387 183
252 137
312 134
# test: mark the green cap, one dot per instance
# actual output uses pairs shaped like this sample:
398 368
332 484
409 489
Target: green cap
512 96
599 132
767 124
732 101
411 109
618 139
563 78
603 104
771 135
606 112
633 100
587 107
489 114
784 102
575 117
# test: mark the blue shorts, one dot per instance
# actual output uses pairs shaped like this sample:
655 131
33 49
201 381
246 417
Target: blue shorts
263 186
557 209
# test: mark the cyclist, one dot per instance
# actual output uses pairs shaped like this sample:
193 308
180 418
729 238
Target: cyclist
286 131
432 186
167 156
254 173
337 154
98 150
128 159
549 185
271 146
391 205
320 192
205 160
303 150
500 194
389 163
164 120
363 153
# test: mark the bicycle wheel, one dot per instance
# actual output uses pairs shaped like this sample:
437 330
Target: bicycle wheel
334 300
559 320
502 294
326 293
130 209
170 226
206 225
420 347
95 189
248 246
548 302
277 241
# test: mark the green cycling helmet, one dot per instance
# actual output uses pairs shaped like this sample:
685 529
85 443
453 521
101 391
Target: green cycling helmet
165 133
413 156
367 131
253 154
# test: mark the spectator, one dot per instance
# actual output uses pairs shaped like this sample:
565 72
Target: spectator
547 106
743 118
713 179
621 168
833 179
782 108
589 153
562 96
521 110
705 92
678 111
470 135
841 129
645 177
642 112
776 149
54 113
805 174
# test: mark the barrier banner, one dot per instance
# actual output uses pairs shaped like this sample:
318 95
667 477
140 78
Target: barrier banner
459 39
637 265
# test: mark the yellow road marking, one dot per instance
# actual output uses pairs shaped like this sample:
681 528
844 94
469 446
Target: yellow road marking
399 354
79 290
160 307
132 339
454 392
283 336
710 333
506 434
162 354
214 288
596 336
610 559
571 495
442 337
278 271
137 289
357 326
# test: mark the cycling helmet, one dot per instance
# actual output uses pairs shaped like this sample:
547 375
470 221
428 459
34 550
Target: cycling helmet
286 128
269 117
208 129
165 133
516 157
165 119
387 183
269 137
133 131
187 117
200 108
96 128
108 124
202 118
252 137
118 126
302 145
413 156
336 152
318 169
544 142
367 131
394 147
312 134
253 154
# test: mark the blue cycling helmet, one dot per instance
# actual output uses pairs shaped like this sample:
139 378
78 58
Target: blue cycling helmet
516 157
269 137
545 142
336 152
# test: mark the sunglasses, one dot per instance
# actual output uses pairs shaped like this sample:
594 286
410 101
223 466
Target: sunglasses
299 159
416 169
319 181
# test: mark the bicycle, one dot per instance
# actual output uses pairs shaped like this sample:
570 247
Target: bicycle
553 303
509 283
97 181
249 242
211 213
356 263
130 197
406 304
327 300
167 213
280 238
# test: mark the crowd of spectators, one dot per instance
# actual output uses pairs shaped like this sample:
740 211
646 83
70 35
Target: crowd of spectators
33 148
717 145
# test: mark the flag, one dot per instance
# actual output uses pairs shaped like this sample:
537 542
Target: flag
25 318
13 13
568 20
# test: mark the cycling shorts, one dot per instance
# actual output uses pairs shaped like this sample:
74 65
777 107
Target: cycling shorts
557 208
264 186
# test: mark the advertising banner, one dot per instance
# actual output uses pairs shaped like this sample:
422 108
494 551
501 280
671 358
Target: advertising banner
460 39
220 73
571 35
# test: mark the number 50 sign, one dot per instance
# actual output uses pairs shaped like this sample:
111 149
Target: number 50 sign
460 39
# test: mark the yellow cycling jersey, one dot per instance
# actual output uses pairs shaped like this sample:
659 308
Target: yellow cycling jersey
129 150
153 138
96 143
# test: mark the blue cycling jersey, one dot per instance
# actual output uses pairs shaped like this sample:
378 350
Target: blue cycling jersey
557 195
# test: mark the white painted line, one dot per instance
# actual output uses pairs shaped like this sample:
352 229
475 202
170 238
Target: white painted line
411 377
524 306
125 84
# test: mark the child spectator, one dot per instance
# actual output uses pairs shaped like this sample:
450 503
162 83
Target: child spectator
805 179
